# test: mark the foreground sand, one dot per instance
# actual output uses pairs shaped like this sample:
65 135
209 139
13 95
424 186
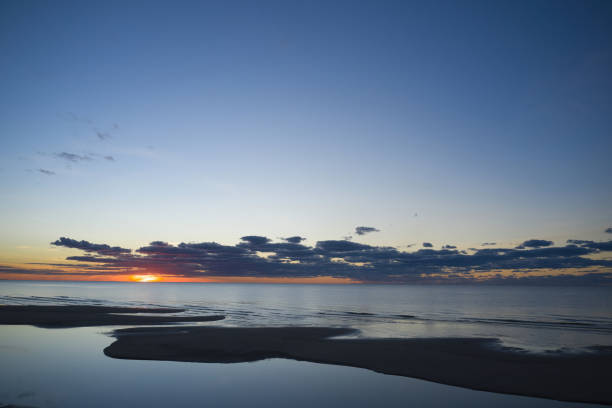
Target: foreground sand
474 363
81 316
479 364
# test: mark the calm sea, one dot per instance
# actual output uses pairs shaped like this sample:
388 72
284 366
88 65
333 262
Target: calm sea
66 367
535 318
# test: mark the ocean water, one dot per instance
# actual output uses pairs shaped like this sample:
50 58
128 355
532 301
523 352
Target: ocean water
66 367
534 318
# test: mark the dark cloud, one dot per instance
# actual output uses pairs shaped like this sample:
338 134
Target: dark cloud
255 240
103 135
109 158
602 246
365 230
341 246
46 172
535 243
71 157
90 247
488 243
294 240
336 258
427 244
609 230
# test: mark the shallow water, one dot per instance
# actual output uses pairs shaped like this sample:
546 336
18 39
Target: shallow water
534 318
66 368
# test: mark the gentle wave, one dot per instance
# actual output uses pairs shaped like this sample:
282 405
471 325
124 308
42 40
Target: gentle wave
276 316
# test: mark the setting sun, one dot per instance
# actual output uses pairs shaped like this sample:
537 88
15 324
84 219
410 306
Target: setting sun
145 278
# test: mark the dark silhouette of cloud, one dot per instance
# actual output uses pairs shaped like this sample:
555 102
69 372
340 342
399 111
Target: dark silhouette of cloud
337 258
294 240
255 240
46 172
427 245
109 158
341 246
602 246
90 247
72 157
488 243
609 230
535 243
365 230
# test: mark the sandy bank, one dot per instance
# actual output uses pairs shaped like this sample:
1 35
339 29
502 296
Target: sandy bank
81 316
467 362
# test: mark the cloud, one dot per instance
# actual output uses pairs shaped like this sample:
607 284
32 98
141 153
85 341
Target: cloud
427 245
109 158
488 244
365 230
294 240
71 157
609 230
338 258
103 135
46 172
602 246
340 246
255 240
535 243
90 247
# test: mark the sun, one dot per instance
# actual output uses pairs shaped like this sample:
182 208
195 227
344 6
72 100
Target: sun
145 278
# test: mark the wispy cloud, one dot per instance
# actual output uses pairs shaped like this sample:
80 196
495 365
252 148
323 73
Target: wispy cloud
103 135
46 172
73 157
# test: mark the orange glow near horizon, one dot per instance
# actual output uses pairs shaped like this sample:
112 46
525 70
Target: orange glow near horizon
145 278
155 277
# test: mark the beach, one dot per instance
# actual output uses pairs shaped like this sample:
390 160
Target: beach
474 363
467 362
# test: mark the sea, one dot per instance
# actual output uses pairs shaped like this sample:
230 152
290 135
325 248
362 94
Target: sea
66 367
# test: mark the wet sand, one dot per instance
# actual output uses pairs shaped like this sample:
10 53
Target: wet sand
480 364
81 316
476 363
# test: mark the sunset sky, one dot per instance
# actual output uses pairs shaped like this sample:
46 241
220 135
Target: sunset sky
391 142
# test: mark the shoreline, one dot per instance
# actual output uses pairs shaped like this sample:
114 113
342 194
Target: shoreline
473 363
466 362
84 316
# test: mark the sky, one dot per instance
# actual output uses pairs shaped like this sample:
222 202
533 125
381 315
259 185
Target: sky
149 125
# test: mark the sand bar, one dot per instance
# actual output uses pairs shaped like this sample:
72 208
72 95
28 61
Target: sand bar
474 363
81 316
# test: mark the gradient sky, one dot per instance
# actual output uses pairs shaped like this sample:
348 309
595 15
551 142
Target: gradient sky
449 122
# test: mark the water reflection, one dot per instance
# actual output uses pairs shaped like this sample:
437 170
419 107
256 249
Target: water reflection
66 368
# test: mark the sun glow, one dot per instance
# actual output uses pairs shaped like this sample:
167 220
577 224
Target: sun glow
145 278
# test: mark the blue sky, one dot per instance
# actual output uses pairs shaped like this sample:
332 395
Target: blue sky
447 122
